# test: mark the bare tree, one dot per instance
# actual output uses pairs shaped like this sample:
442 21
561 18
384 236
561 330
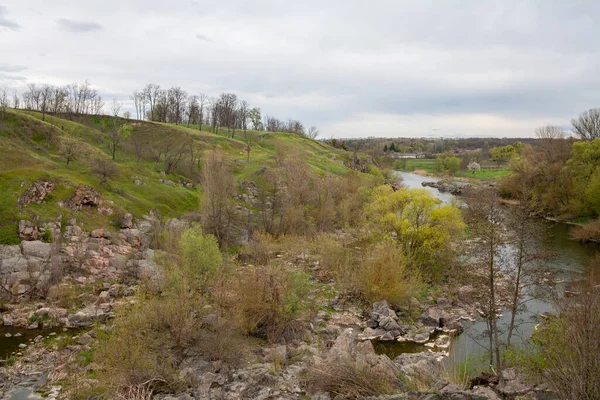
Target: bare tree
528 260
173 153
138 99
151 93
313 132
193 109
105 169
3 102
203 102
46 93
243 115
486 220
70 149
59 97
227 111
587 125
217 205
177 98
16 100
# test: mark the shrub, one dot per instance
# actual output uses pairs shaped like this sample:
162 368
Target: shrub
270 301
386 275
47 236
200 256
589 232
131 352
349 379
105 169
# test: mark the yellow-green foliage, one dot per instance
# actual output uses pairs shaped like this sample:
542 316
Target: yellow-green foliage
386 274
201 256
421 226
584 165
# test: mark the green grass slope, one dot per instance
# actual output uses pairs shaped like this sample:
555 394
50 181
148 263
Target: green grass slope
30 151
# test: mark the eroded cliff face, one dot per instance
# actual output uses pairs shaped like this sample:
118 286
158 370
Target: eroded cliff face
34 265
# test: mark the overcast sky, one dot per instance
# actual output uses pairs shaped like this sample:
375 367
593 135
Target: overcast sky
353 68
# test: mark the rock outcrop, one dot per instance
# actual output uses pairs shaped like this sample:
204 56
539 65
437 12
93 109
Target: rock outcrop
84 196
443 186
37 192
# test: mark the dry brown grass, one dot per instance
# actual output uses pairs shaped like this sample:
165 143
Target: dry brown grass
589 232
349 379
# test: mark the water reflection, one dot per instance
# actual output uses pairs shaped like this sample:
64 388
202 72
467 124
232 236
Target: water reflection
569 263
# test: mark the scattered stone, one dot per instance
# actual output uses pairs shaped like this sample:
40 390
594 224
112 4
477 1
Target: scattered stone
7 320
84 339
34 325
8 335
38 338
167 182
127 221
22 345
18 334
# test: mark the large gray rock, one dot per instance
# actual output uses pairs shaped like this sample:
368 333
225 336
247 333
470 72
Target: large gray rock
86 317
388 324
11 260
36 249
511 385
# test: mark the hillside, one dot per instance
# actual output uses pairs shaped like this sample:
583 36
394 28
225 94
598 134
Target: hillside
158 166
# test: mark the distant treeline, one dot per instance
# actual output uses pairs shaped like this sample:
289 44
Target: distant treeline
153 103
431 146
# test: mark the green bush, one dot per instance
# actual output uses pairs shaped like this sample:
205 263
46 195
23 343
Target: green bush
201 256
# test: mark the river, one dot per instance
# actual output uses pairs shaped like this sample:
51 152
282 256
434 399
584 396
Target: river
570 263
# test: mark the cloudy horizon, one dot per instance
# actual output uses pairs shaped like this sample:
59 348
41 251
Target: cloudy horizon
354 69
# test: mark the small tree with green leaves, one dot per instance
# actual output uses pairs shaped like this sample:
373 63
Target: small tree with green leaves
200 255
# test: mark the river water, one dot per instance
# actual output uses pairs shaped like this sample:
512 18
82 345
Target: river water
570 263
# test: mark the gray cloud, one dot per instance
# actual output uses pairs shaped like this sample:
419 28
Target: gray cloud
478 67
78 26
5 22
11 68
8 77
203 37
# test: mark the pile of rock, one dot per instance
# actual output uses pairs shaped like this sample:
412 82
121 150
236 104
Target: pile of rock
84 196
37 192
383 322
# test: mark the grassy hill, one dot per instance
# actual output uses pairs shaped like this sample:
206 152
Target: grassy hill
31 150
